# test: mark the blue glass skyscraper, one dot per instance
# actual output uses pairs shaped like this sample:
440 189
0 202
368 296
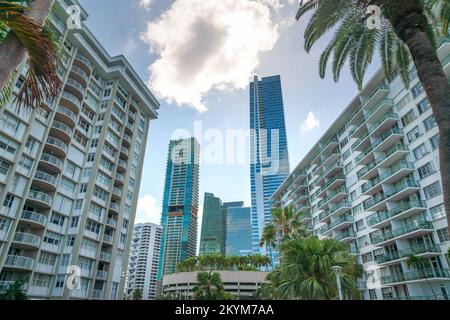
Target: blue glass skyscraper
269 151
180 205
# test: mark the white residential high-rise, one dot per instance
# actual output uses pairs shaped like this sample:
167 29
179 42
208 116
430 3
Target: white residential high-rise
143 261
70 173
373 181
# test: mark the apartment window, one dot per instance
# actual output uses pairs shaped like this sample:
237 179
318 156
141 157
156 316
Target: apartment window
344 143
74 221
367 257
92 226
9 200
4 167
426 170
107 93
373 294
91 157
41 280
405 100
65 260
87 172
100 193
349 167
420 151
78 204
29 145
8 145
94 143
101 117
104 105
408 118
103 179
47 258
353 196
443 235
415 133
57 219
430 122
412 74
423 105
106 164
433 190
70 170
346 154
98 129
363 241
60 280
52 238
83 188
358 209
67 185
438 212
26 164
417 90
435 141
360 225
4 224
20 83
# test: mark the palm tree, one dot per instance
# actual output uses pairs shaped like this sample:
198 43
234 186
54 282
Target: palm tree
209 286
137 294
22 33
305 272
14 291
268 239
421 264
406 27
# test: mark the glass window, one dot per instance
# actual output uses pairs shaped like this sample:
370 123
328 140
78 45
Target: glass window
413 134
430 122
443 235
438 212
423 105
435 142
426 170
420 151
433 190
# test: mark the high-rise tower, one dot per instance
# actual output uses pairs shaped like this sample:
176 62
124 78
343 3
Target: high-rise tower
269 151
212 239
180 205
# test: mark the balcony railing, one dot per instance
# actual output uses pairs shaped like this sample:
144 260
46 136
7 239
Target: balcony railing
58 143
413 251
392 170
85 61
337 222
43 176
19 262
411 227
385 215
344 235
71 98
27 238
52 160
390 192
381 158
428 273
105 256
34 217
41 197
68 113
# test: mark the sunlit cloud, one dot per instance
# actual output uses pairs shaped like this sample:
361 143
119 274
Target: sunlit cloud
148 210
310 123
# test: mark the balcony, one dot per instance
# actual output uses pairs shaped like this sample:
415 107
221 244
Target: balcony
40 200
393 174
116 193
56 147
26 240
105 256
66 116
19 262
129 127
122 166
108 239
80 75
50 163
34 219
345 236
70 101
412 230
387 139
76 88
124 152
380 109
102 275
61 131
119 180
45 182
333 197
390 157
429 274
83 62
305 217
334 168
97 294
338 224
402 211
329 146
127 140
332 184
337 209
424 250
111 222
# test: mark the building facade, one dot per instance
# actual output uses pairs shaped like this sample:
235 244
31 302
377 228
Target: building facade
180 205
373 181
238 229
143 262
268 150
212 239
241 284
70 173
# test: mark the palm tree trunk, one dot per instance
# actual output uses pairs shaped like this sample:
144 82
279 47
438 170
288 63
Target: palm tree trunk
12 52
409 22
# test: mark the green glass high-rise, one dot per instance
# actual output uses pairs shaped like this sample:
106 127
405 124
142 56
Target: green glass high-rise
180 205
212 240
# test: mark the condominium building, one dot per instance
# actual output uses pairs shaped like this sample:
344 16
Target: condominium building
268 150
180 205
143 261
373 182
70 173
212 239
238 235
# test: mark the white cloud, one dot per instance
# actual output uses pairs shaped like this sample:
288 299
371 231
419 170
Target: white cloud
145 4
148 210
310 123
208 45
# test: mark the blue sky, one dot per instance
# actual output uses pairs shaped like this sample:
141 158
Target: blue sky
211 71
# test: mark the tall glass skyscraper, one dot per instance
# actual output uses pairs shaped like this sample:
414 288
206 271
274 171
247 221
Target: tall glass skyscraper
212 240
238 229
269 151
180 205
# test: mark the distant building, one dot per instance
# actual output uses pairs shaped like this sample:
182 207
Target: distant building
269 151
238 229
241 284
180 205
212 240
143 261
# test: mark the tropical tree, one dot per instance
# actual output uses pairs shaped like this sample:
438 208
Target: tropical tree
403 28
305 272
23 33
269 239
137 294
14 291
422 265
209 287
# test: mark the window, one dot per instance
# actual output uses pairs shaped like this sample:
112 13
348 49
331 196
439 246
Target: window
91 157
367 257
420 151
92 226
47 258
29 145
94 143
426 170
79 204
423 105
346 154
417 90
373 294
8 145
363 241
83 188
100 193
433 190
26 164
405 100
70 170
435 141
41 280
4 224
74 222
443 235
408 118
52 238
430 122
65 259
438 212
415 133
9 200
67 186
57 219
360 225
4 167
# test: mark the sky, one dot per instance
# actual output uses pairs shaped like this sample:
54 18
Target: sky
198 57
